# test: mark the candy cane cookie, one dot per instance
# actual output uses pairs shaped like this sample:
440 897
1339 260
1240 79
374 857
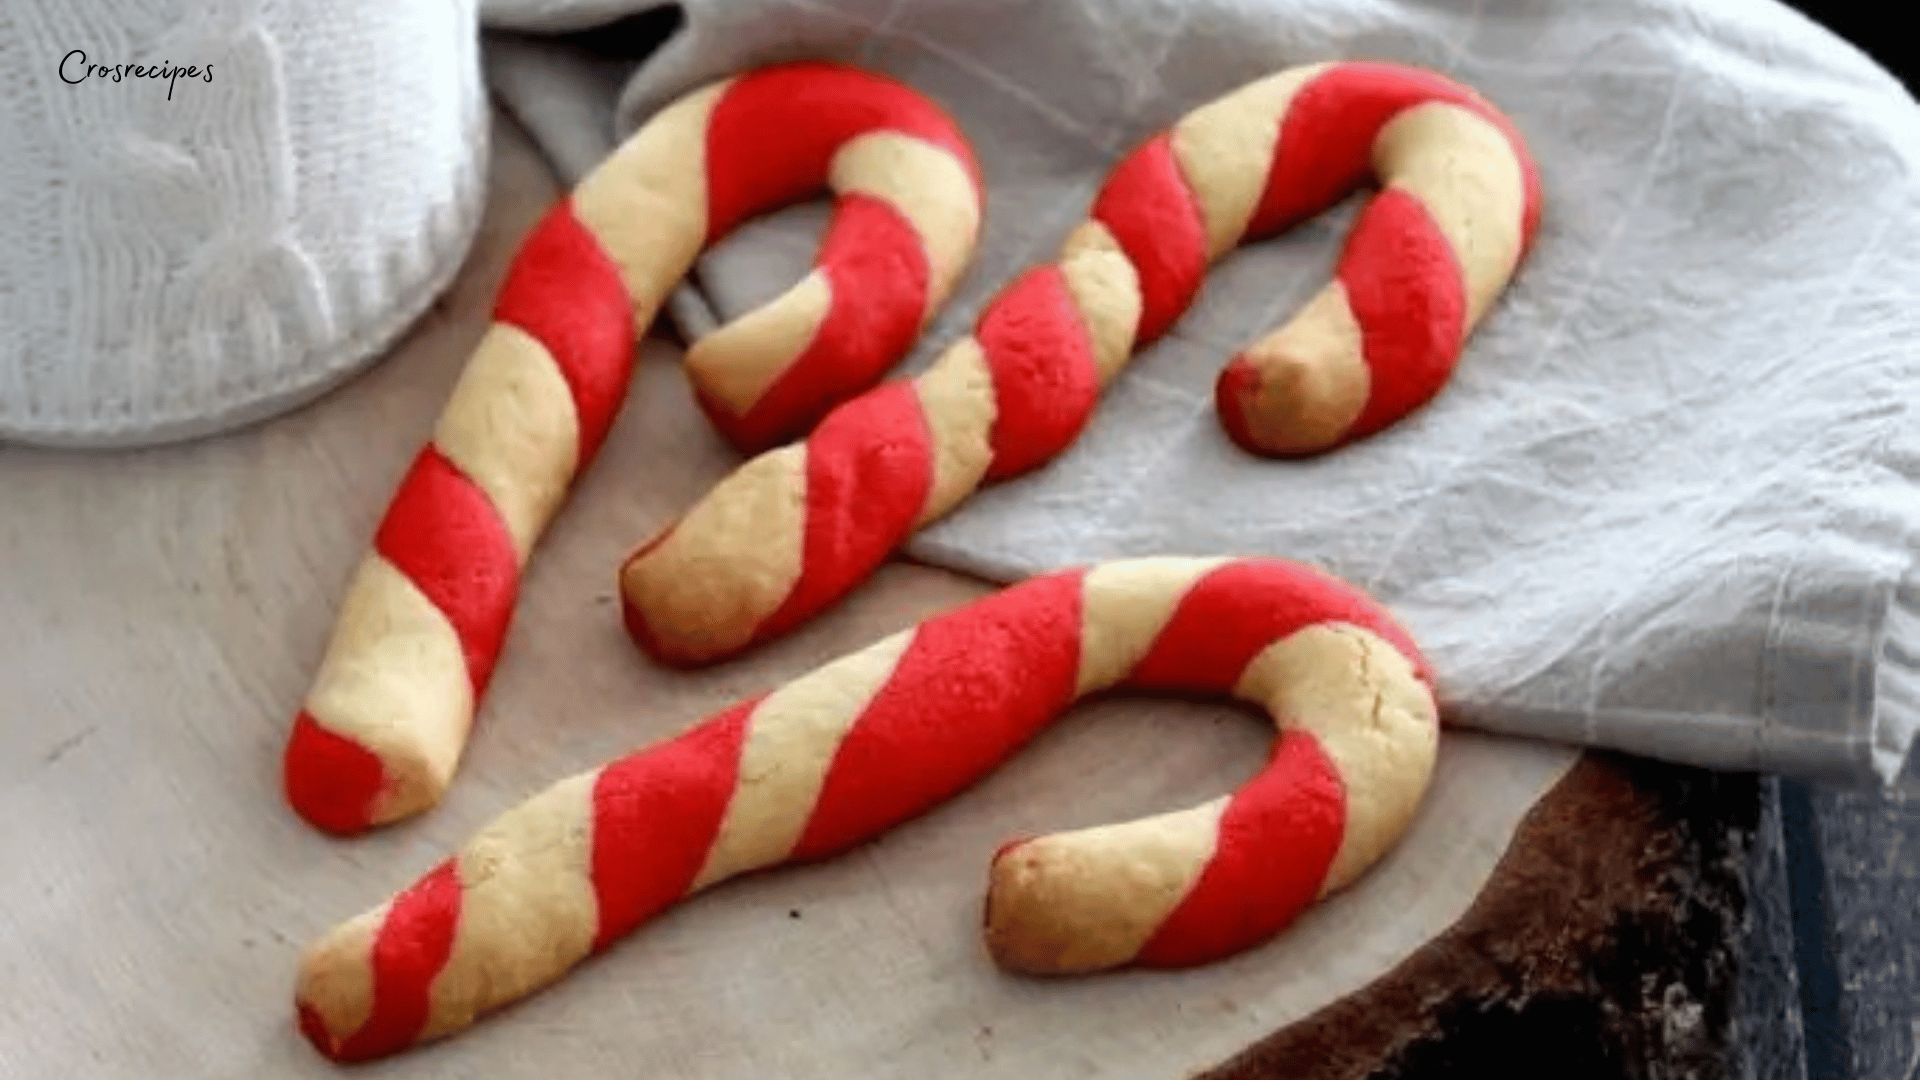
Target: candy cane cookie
421 626
843 753
793 530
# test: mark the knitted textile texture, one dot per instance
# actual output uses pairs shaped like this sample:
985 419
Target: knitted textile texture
184 253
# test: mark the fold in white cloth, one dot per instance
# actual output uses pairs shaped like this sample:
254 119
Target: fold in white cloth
1667 503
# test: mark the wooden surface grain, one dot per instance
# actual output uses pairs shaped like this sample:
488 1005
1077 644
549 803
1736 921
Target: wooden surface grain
1844 940
163 614
1606 946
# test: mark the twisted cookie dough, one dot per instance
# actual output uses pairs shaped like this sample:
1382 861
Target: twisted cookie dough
843 753
795 529
422 623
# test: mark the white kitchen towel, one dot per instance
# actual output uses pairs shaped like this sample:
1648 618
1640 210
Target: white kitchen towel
1668 502
186 253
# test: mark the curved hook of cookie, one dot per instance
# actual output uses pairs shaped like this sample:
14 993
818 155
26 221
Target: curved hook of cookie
849 750
423 620
792 531
1427 257
906 221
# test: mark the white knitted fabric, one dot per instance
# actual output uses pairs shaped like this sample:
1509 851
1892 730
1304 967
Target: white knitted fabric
556 15
171 267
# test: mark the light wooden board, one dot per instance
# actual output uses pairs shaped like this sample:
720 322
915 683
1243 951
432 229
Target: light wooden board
162 612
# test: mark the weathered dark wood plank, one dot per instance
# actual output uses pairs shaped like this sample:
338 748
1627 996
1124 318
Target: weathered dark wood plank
1768 1039
1605 945
1870 847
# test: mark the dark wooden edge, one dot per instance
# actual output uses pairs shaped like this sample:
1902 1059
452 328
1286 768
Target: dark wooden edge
1603 945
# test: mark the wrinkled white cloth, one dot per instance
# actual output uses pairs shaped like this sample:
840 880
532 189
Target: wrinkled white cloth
1668 502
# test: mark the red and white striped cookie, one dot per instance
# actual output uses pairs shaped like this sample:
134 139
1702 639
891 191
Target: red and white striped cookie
839 755
422 624
794 529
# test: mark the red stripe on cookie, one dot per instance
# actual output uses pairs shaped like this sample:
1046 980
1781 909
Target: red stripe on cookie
773 133
869 468
655 815
566 293
1325 146
1148 207
1228 616
1407 292
443 535
970 690
1246 895
413 944
878 275
330 779
1045 381
1234 394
